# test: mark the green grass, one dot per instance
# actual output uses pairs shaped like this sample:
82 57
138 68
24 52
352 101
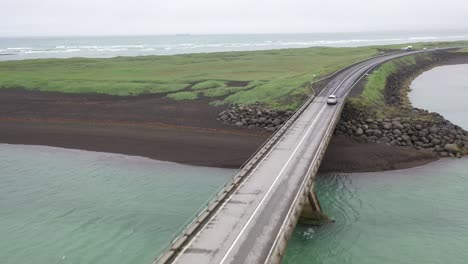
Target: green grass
209 84
277 78
464 50
375 85
272 75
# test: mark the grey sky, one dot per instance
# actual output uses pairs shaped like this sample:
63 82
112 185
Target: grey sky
117 17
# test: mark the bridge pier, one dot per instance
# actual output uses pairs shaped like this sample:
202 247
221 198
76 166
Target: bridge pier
312 213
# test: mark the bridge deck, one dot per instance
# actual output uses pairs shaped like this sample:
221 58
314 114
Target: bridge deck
247 225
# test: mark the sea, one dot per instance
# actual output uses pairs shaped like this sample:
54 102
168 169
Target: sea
18 48
72 206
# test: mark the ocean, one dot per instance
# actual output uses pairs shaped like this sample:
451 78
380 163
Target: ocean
71 206
105 47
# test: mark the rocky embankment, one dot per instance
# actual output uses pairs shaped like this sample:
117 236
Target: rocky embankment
254 117
419 129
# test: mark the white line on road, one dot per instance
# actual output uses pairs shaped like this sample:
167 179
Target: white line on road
271 187
282 170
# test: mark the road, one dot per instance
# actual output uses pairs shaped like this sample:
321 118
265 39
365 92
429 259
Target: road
246 227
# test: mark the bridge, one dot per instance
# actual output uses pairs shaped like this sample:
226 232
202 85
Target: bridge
253 217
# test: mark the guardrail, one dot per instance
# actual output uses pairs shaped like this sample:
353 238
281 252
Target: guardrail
192 225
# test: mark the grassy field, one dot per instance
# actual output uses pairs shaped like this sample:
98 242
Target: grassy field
275 78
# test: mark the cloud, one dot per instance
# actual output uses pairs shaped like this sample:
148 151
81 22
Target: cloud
134 17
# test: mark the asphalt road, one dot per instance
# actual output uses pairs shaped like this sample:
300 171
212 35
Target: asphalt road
244 229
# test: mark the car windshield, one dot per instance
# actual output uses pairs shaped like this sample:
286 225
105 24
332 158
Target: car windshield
332 97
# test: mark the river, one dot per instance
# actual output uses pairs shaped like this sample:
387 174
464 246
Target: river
417 215
71 206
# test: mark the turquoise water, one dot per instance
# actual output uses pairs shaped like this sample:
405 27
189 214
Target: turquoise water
443 90
411 216
67 47
417 215
70 206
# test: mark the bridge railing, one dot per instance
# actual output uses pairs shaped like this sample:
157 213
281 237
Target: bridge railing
197 220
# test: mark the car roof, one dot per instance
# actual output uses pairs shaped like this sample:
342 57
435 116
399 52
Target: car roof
332 95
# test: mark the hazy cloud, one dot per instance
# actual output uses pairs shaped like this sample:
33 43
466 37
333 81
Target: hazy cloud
114 17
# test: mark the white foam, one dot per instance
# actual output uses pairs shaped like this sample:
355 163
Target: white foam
19 48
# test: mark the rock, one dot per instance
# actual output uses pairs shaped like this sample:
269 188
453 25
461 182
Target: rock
276 122
262 120
239 124
377 133
397 132
434 130
435 141
397 125
452 148
387 126
359 131
369 120
270 129
406 138
385 139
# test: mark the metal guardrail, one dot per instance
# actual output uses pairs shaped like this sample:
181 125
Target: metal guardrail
244 169
213 203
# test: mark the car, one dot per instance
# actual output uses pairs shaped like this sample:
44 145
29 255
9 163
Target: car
332 100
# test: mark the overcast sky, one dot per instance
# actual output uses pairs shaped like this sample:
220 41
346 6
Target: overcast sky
141 17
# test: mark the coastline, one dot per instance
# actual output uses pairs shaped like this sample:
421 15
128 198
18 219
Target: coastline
179 131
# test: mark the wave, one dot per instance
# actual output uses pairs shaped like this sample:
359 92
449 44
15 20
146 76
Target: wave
152 46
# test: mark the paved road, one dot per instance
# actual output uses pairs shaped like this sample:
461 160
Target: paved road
244 229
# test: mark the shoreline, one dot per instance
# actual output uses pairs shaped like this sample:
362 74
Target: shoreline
185 132
352 154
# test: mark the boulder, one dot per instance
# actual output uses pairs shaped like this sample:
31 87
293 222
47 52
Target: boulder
359 131
387 126
452 148
377 133
276 122
397 132
397 125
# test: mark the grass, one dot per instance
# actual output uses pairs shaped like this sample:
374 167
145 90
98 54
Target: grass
372 97
209 84
277 78
377 80
464 50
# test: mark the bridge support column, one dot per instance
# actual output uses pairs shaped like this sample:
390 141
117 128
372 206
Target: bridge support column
312 213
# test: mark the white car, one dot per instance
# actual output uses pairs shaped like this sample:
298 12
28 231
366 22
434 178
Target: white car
332 100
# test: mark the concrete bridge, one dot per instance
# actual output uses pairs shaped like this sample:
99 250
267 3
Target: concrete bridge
252 218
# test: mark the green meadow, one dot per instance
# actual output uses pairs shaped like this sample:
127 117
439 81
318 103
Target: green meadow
275 78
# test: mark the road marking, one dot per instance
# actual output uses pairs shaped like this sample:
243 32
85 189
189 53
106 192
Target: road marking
271 187
284 167
366 64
